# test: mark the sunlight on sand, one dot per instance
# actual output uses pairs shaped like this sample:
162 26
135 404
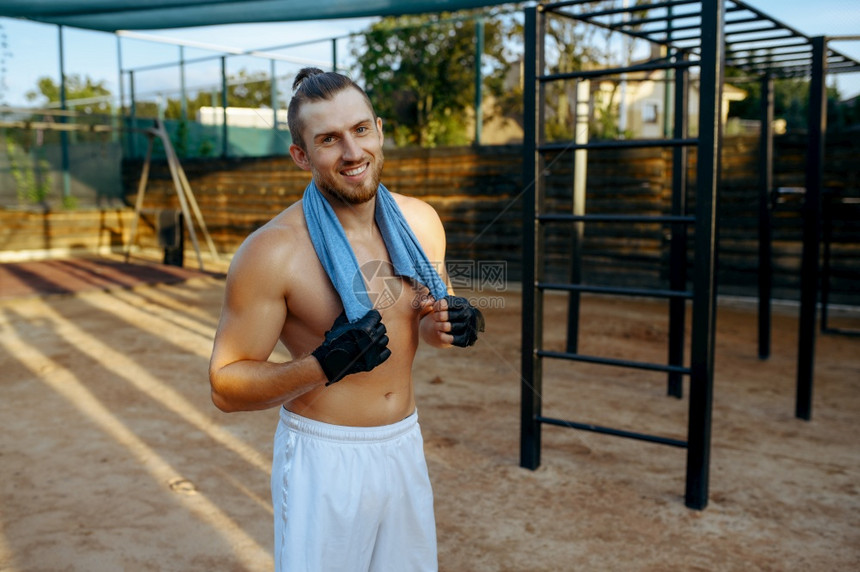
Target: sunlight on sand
69 386
126 368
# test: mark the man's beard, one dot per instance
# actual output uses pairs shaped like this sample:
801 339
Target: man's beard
351 194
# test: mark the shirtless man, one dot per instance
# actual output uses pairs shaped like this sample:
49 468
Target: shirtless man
349 482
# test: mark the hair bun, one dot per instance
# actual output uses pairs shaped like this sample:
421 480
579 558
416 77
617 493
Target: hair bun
303 74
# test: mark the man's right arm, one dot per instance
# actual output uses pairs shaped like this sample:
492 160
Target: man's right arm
252 318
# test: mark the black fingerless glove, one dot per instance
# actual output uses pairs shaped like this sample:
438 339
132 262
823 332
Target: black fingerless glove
466 321
353 347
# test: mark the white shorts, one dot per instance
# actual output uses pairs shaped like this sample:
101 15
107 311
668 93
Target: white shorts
351 498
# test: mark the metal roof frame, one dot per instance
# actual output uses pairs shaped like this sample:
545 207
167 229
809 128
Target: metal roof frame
755 42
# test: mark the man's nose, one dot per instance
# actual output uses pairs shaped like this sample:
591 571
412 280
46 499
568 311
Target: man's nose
351 149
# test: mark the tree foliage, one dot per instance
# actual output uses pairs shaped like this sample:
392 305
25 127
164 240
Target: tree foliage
791 103
93 96
244 89
419 71
572 46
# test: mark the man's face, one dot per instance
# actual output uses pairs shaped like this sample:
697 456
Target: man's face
344 146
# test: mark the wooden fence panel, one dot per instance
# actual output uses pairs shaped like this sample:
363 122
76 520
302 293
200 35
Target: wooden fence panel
477 192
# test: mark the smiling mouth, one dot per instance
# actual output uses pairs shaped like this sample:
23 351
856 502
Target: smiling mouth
356 171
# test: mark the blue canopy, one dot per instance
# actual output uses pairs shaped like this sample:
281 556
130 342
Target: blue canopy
113 15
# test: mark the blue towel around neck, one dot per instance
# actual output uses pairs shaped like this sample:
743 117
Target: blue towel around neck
339 261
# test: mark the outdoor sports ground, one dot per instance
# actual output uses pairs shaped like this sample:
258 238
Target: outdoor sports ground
112 456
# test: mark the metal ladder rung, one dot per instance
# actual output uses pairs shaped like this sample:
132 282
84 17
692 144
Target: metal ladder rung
612 290
614 432
564 217
618 144
614 362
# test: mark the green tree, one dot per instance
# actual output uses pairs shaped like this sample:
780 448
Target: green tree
31 173
572 46
790 102
92 96
244 89
419 72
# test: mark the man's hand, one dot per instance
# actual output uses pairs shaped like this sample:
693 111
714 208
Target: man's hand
466 321
352 348
456 321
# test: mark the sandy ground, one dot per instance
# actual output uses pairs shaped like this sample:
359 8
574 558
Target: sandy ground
113 458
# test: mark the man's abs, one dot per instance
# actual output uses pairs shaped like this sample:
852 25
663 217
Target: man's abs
360 400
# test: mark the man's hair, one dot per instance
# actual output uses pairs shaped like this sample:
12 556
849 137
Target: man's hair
314 84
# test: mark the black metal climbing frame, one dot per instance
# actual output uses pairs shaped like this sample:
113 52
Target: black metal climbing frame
701 34
810 57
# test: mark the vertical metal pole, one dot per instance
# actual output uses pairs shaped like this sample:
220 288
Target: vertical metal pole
809 271
121 81
334 54
667 101
64 136
580 164
121 108
530 381
273 93
626 41
704 279
132 112
765 219
224 140
678 244
827 240
183 96
479 92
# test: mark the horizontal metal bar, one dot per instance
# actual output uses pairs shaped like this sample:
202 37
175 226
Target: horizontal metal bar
841 66
666 65
613 11
774 63
695 38
669 3
669 31
746 20
841 331
620 144
615 362
55 126
800 42
614 432
616 291
757 55
614 218
662 18
769 28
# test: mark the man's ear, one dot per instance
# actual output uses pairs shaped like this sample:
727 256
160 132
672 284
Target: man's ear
379 130
300 158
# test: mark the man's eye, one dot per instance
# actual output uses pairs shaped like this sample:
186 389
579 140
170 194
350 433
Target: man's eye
361 129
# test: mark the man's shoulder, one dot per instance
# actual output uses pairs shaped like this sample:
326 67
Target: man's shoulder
277 241
287 226
424 222
414 209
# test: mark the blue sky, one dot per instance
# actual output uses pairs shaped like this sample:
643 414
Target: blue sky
34 47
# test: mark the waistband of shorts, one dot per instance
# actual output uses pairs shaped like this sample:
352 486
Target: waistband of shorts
346 433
